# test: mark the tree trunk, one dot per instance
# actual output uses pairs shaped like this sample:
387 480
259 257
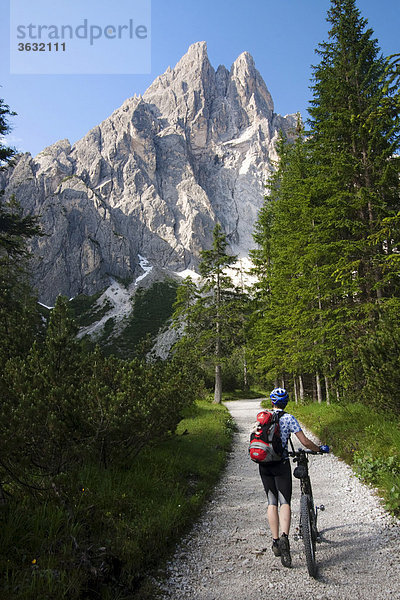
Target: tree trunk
319 390
301 386
218 375
245 378
328 400
218 385
295 388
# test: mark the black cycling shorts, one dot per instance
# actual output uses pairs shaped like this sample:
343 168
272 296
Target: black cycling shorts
277 481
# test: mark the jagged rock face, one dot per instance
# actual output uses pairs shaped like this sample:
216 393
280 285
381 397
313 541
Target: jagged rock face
153 178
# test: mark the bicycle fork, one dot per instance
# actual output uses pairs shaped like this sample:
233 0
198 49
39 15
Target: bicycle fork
321 507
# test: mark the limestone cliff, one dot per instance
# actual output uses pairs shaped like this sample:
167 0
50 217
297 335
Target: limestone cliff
153 178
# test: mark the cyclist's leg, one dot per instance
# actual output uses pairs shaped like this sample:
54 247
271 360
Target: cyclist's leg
272 494
283 483
273 520
285 515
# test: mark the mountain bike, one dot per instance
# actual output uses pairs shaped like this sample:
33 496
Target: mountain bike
308 511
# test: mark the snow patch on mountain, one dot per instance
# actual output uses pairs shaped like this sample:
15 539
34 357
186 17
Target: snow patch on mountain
188 273
120 298
147 268
239 272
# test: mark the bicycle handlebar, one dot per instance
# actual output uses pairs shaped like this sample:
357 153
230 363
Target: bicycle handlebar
304 451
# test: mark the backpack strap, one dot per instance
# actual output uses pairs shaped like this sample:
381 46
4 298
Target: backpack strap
278 415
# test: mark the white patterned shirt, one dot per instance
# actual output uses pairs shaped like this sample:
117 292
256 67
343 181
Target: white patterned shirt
287 424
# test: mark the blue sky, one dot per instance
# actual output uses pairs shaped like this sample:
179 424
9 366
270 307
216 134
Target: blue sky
281 35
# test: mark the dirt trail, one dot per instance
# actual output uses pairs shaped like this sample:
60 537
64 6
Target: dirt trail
227 555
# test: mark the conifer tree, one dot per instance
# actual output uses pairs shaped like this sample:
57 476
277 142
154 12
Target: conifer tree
214 313
14 228
19 317
6 153
355 183
212 266
329 226
285 337
43 413
353 141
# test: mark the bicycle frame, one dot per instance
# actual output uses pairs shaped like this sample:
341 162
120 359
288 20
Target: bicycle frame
305 481
308 510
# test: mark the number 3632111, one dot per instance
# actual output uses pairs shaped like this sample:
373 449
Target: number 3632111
42 47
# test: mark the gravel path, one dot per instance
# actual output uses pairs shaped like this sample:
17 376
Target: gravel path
227 555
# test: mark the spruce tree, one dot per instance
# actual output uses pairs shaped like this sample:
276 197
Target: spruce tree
213 314
355 183
328 233
6 153
19 317
287 320
14 228
353 141
212 266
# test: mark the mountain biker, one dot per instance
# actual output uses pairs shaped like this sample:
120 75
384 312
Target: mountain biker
277 478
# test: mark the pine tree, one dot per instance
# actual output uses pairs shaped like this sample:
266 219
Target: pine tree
14 228
213 314
355 184
388 234
6 153
19 317
43 414
328 233
380 358
212 267
287 324
353 141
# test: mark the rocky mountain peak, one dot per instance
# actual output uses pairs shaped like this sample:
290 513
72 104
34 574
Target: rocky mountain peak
153 178
196 55
249 83
244 66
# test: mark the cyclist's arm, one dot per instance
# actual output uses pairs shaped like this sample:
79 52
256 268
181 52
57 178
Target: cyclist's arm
307 442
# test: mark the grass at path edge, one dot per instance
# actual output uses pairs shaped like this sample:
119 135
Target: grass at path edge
364 438
126 520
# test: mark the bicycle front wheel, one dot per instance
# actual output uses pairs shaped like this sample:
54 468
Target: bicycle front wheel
307 520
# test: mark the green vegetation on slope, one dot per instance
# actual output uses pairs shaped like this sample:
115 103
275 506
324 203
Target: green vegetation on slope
120 523
367 439
86 311
152 307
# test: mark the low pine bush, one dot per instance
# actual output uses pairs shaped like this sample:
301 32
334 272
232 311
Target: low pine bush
117 524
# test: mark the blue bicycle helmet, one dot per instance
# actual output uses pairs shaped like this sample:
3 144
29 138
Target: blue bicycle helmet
279 396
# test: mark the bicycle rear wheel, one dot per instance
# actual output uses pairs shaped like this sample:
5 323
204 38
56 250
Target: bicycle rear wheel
307 519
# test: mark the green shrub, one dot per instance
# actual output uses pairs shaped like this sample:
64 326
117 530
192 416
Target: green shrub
118 524
86 311
62 406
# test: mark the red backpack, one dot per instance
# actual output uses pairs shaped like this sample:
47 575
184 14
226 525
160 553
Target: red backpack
265 442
